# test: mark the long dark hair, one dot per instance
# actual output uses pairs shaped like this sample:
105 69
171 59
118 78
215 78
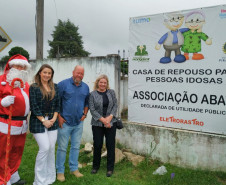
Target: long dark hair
38 81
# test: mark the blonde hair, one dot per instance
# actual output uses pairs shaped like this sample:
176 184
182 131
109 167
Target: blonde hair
37 80
97 81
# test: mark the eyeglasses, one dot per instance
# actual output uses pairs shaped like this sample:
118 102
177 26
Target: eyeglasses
194 21
175 19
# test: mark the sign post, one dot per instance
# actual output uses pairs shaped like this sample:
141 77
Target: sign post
5 40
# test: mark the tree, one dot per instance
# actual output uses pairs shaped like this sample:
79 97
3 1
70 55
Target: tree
66 42
5 59
19 50
124 66
14 51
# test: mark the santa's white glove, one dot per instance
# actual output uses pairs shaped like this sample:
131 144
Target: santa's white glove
7 101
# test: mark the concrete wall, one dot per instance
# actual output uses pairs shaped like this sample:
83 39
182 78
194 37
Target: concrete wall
178 147
123 93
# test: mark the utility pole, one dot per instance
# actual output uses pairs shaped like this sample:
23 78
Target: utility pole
39 28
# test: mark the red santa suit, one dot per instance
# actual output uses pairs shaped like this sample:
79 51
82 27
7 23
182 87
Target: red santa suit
19 125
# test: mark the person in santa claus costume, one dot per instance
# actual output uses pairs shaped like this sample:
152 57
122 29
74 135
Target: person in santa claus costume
16 67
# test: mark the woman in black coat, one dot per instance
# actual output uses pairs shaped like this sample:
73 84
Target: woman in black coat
103 108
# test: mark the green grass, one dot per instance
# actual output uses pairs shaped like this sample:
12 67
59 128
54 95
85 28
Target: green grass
125 173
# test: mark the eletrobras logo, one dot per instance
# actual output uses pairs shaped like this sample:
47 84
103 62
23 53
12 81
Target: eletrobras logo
141 20
141 53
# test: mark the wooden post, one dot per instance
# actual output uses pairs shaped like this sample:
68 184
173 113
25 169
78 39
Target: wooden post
39 28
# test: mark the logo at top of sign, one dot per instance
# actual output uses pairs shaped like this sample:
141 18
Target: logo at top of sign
5 40
222 14
141 20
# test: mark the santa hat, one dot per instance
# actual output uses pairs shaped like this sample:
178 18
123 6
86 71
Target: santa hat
19 60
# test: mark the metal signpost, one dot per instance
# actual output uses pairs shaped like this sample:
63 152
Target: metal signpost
5 40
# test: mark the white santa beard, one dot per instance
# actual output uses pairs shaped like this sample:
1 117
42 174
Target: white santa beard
15 73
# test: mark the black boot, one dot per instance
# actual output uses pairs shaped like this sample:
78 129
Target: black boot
109 173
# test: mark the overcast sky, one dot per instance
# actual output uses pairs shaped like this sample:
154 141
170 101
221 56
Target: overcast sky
103 24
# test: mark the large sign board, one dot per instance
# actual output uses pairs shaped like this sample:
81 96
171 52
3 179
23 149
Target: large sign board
177 69
5 40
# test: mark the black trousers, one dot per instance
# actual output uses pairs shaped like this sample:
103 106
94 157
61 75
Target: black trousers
98 137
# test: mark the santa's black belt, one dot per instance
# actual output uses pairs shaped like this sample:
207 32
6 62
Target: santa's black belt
19 118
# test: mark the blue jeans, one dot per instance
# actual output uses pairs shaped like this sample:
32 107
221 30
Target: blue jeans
75 132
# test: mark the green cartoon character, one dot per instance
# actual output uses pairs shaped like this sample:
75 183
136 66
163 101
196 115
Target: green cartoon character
192 38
